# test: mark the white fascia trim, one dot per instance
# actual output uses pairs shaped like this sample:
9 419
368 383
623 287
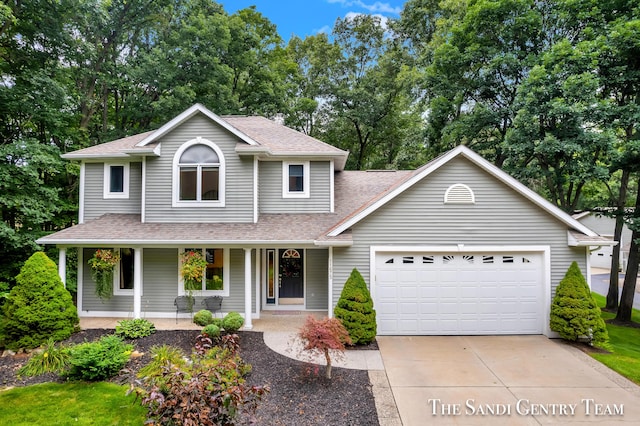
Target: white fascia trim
96 157
461 248
190 112
325 243
486 166
572 242
81 195
180 243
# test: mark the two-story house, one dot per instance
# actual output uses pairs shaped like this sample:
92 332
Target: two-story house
455 247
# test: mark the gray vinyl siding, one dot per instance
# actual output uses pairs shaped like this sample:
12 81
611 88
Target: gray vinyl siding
235 301
238 176
419 216
94 203
270 189
160 279
317 277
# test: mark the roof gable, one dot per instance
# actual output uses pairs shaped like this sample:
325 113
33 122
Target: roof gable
478 161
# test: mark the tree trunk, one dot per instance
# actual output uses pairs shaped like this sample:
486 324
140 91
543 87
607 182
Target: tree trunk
631 274
612 295
327 371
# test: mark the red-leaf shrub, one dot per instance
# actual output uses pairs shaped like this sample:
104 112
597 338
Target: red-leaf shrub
321 336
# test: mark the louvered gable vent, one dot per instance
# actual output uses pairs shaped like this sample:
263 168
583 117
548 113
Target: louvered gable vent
459 194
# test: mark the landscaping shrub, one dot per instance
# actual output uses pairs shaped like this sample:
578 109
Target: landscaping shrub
38 307
162 357
575 313
208 390
98 360
232 322
212 331
135 328
355 310
217 321
320 336
51 359
203 317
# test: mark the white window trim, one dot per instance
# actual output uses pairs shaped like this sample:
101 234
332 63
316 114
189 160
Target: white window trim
226 275
107 194
176 202
117 291
306 175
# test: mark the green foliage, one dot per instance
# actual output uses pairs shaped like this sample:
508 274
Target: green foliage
232 322
217 321
203 317
574 312
135 328
50 359
355 310
38 308
99 360
103 263
77 403
210 389
212 331
162 357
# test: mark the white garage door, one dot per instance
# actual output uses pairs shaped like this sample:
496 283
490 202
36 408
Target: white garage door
459 293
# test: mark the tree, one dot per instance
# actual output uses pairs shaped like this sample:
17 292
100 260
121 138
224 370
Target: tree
574 312
355 310
322 336
38 307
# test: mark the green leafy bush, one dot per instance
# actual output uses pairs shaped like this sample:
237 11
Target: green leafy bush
212 331
232 322
135 328
98 360
218 322
38 307
575 313
355 310
51 359
203 317
162 357
210 389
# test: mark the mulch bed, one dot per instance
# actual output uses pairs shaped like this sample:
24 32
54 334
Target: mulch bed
296 398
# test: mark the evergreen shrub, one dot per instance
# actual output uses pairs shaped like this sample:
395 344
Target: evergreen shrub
355 310
38 307
203 317
211 330
99 360
575 313
232 322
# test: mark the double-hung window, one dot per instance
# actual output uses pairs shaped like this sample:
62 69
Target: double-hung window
295 179
116 180
198 175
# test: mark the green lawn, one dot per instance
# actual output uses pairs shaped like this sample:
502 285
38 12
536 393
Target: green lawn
625 344
98 403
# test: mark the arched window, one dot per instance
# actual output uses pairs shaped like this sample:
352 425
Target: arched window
198 174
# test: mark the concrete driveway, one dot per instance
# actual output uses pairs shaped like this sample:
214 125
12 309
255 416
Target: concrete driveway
510 380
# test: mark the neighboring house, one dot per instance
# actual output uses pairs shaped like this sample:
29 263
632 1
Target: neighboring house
605 226
455 247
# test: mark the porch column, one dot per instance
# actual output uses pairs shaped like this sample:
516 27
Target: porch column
137 282
247 289
62 265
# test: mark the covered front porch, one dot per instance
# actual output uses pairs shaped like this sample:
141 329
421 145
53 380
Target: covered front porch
255 280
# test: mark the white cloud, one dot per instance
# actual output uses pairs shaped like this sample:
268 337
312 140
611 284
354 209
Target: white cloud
326 29
377 7
383 19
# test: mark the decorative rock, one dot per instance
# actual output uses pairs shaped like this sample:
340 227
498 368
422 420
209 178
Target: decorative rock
8 352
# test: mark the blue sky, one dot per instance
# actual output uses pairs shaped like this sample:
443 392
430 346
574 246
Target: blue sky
308 17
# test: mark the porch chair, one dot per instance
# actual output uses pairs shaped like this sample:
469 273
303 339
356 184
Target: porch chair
183 304
213 304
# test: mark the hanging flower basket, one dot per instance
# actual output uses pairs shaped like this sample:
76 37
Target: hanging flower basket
192 270
102 265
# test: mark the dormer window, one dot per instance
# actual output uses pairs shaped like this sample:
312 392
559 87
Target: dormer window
116 180
198 175
295 179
